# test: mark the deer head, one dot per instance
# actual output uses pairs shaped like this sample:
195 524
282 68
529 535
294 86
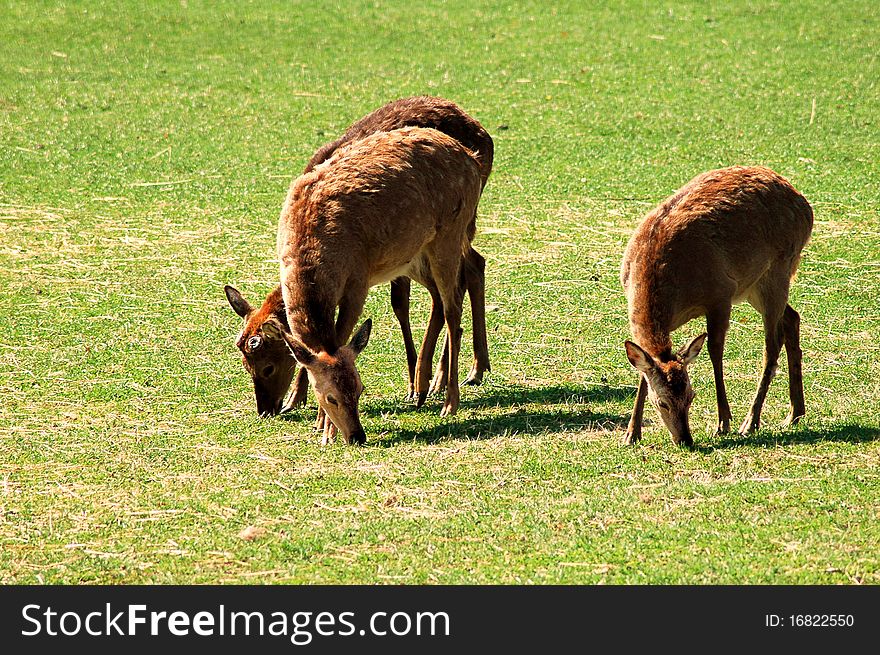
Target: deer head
265 354
669 387
334 378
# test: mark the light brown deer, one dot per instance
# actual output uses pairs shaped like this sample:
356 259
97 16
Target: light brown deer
398 203
267 358
728 235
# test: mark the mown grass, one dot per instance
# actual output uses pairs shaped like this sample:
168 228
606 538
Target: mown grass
145 151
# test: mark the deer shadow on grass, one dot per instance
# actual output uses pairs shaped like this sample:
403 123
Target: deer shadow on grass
508 395
560 408
847 433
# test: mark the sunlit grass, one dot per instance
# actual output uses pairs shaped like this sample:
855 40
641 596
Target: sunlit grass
145 151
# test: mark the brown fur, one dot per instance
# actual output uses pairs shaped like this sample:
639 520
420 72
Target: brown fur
728 235
420 111
391 204
273 307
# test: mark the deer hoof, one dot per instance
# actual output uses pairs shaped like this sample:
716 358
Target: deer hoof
448 410
474 378
751 424
792 420
420 398
631 438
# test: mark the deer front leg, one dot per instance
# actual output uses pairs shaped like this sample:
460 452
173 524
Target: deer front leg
329 433
633 432
400 292
717 323
300 391
321 420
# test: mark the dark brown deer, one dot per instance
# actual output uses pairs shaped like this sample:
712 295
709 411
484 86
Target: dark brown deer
267 359
728 235
398 203
265 356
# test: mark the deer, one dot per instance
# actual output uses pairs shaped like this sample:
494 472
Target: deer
267 359
397 203
729 235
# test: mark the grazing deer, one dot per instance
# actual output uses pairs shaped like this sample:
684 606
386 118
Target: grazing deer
398 203
267 358
728 235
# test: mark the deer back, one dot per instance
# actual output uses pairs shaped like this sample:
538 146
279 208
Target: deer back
419 111
364 216
710 242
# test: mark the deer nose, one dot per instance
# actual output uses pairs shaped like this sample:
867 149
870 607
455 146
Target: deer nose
267 407
358 437
683 436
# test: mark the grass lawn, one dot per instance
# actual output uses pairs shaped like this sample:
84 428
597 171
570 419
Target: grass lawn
145 152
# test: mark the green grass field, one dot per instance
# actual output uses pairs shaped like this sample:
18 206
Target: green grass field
145 152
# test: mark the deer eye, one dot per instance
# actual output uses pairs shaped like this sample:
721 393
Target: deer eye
663 405
332 400
254 343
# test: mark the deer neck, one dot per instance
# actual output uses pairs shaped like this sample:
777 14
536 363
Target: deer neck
274 306
650 329
310 314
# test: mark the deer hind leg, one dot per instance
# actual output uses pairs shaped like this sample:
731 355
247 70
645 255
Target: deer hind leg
474 273
770 300
400 291
429 344
717 323
441 378
453 338
791 327
473 280
633 432
445 264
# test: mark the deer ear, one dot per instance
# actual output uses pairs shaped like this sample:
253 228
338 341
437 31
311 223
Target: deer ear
640 359
300 353
241 306
361 338
271 330
689 352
